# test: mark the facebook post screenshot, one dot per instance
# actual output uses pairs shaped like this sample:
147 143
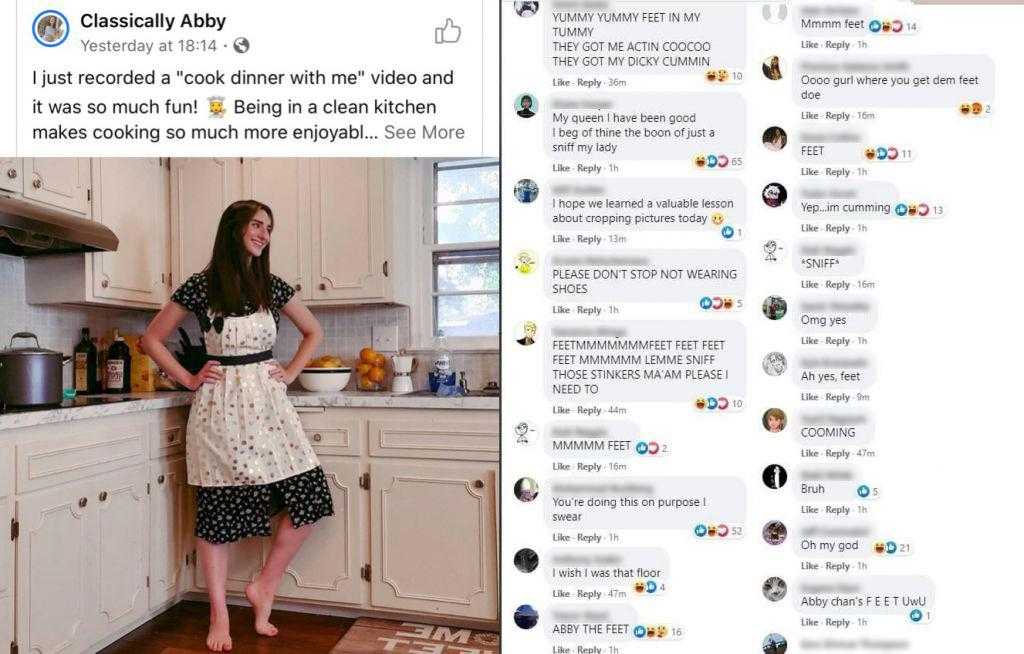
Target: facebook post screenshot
522 326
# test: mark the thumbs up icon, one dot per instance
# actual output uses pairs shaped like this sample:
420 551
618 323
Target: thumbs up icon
450 33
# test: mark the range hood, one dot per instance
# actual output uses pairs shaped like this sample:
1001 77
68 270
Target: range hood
28 229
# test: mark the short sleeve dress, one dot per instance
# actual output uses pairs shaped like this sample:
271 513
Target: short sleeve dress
245 446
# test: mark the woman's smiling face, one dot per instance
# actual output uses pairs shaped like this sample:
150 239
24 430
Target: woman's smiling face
256 236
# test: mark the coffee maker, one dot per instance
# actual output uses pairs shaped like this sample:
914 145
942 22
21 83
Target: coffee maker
403 366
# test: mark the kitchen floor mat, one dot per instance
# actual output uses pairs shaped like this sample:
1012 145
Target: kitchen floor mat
373 635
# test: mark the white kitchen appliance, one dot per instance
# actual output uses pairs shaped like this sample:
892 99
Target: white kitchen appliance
403 366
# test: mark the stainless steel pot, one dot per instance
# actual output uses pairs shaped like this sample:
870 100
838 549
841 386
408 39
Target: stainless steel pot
31 376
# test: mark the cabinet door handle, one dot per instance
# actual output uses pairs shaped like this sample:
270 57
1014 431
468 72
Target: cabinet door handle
160 479
103 496
104 283
170 436
82 502
12 173
317 437
37 182
298 287
478 484
323 287
385 268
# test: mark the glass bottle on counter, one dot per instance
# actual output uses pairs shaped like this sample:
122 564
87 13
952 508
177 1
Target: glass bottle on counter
442 357
86 378
119 366
442 379
101 363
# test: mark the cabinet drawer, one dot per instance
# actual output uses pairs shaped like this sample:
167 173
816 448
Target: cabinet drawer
475 440
168 441
331 433
84 449
334 441
168 437
6 470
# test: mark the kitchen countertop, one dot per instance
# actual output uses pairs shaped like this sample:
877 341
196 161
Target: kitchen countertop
166 399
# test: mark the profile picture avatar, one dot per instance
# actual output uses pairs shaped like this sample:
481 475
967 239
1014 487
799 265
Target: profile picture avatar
50 28
526 106
526 8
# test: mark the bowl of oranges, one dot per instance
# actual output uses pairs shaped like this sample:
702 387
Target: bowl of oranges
325 374
370 370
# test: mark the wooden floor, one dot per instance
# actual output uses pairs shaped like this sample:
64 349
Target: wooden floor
182 630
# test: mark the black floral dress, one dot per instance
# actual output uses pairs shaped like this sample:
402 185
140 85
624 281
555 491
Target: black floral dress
245 446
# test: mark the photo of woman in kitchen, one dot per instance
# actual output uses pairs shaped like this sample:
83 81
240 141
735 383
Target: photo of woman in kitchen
245 447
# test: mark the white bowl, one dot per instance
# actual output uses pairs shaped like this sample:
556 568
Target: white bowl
324 380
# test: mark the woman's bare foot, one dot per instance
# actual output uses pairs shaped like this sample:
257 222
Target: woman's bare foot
219 638
262 600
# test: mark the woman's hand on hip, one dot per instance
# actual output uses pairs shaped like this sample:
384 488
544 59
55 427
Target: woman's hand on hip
279 373
209 374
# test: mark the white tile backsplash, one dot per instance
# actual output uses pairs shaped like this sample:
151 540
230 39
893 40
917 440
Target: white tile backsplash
57 326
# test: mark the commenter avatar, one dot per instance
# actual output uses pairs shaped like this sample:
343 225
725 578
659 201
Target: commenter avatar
528 330
526 489
774 420
526 106
526 190
772 68
527 8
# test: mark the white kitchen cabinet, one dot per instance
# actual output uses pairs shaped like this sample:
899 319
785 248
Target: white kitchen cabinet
82 553
120 551
7 544
130 196
54 581
6 571
327 568
350 247
245 560
169 529
335 233
419 522
433 542
60 182
201 188
11 178
283 184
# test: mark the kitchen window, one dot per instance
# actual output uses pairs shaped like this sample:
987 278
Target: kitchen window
460 254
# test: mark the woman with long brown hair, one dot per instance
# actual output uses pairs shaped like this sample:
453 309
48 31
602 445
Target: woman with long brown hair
245 447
